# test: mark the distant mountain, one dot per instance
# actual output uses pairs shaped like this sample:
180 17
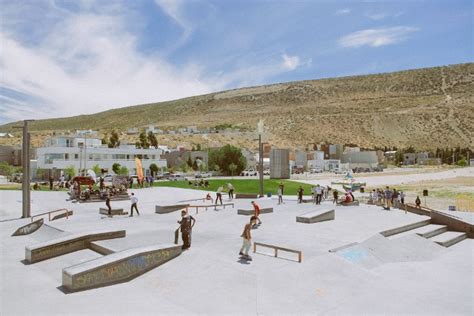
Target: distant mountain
424 108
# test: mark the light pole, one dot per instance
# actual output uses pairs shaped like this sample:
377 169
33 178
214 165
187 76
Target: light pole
26 205
260 156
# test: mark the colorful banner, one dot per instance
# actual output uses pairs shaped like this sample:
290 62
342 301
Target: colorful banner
138 165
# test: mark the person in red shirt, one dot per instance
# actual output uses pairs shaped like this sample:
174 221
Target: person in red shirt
256 208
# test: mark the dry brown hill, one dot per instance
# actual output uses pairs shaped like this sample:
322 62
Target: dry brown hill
424 108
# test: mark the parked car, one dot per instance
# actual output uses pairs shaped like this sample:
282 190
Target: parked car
162 176
315 170
250 172
266 172
176 177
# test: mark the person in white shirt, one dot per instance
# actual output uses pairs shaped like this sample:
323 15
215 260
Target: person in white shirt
134 202
318 192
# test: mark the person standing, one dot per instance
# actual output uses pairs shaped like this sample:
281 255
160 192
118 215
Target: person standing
186 225
335 195
300 194
402 197
319 194
219 194
256 209
282 186
134 202
107 203
230 188
51 182
388 198
280 195
418 202
247 239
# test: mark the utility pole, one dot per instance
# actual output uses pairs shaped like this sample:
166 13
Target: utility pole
260 156
26 171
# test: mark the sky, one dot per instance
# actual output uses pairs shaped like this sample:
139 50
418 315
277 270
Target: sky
62 58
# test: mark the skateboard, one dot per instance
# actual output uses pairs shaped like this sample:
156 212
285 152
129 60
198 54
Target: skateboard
244 257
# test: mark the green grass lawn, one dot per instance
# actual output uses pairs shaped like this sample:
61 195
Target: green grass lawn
242 186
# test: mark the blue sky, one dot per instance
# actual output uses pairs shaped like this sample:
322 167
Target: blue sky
63 58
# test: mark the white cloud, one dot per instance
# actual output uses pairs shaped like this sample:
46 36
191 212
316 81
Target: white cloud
377 37
344 11
87 64
290 62
174 9
377 16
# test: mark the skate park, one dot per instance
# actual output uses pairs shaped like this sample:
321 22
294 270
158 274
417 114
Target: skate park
352 260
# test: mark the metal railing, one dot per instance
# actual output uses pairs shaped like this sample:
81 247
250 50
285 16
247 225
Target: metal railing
51 212
276 248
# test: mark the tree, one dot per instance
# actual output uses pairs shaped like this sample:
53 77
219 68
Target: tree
195 166
96 169
152 139
153 169
104 139
462 162
198 147
123 171
189 162
114 140
70 172
6 169
40 173
224 157
116 167
142 141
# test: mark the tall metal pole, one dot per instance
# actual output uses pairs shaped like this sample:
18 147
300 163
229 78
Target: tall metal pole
85 154
26 171
260 158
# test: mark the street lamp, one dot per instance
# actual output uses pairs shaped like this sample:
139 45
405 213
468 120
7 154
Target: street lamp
26 206
260 130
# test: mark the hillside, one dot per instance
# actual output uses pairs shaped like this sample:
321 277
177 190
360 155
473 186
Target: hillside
424 108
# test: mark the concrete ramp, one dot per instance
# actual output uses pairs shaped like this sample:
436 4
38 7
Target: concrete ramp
70 243
316 216
252 212
29 228
114 211
164 209
118 267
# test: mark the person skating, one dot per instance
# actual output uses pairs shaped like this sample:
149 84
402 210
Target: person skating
256 209
300 194
186 225
319 194
219 194
280 195
107 203
134 202
230 188
335 196
247 239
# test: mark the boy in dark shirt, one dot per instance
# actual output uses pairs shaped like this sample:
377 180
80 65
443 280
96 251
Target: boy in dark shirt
187 222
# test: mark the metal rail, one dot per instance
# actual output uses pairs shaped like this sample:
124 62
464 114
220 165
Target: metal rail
276 248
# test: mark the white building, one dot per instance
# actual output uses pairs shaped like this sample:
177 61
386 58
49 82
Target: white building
62 152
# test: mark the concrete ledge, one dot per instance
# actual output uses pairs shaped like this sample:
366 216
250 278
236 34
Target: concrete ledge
316 216
114 211
29 228
401 229
453 223
118 267
353 203
164 209
252 212
448 239
64 245
246 196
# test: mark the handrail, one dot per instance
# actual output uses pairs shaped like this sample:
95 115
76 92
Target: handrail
276 248
210 205
50 212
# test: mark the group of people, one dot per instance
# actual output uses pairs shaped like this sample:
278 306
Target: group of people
387 197
199 183
144 182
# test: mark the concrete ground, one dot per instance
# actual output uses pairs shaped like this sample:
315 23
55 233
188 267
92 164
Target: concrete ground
404 275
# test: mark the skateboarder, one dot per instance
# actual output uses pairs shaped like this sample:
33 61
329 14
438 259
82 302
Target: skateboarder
107 203
186 225
230 188
318 194
335 196
300 194
280 195
247 240
134 202
256 208
418 202
219 194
